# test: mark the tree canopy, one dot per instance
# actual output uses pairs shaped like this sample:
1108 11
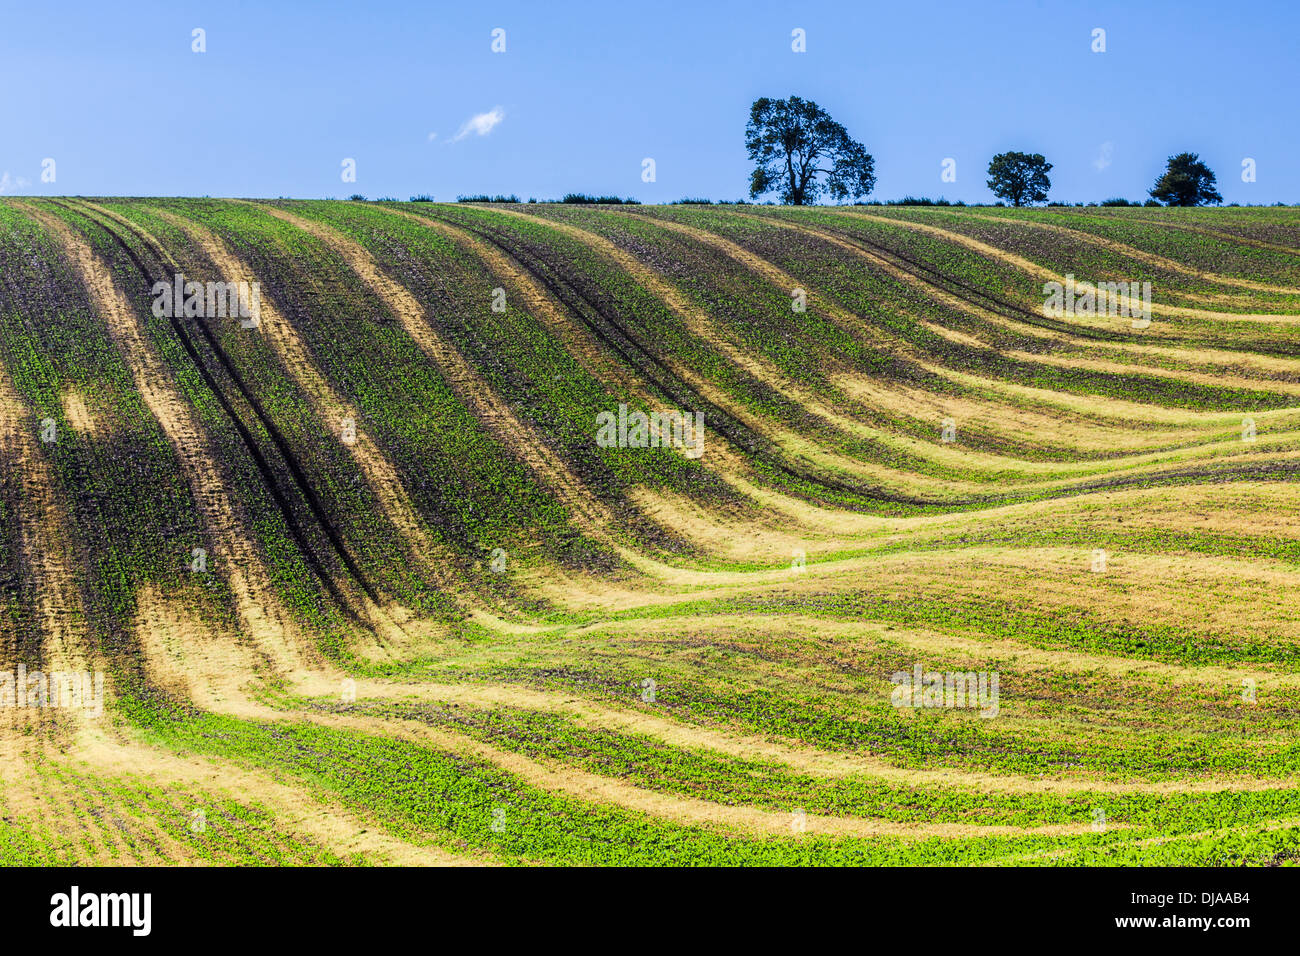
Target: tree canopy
1186 182
800 152
1020 178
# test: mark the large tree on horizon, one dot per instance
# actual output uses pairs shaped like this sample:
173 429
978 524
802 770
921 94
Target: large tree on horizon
1186 182
795 141
1020 178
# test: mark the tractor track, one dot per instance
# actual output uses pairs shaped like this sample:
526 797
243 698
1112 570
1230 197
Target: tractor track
972 295
967 293
883 256
1021 313
651 366
1272 472
309 496
568 292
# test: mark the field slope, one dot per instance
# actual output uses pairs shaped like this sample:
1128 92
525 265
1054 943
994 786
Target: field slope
365 585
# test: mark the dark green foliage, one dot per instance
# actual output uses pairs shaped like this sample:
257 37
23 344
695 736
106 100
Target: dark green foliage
1186 181
1020 178
794 142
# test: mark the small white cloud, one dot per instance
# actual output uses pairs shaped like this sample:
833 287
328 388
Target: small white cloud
482 124
10 183
432 137
1104 156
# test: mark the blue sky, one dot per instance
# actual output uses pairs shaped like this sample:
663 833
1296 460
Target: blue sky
585 92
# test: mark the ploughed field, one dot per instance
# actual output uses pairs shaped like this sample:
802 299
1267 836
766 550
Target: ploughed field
908 570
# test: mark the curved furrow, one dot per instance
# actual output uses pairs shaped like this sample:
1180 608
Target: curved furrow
200 461
260 614
1057 628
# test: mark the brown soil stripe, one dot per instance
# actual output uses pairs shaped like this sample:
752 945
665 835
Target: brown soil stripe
330 408
259 610
809 760
1126 250
368 608
593 788
483 401
45 542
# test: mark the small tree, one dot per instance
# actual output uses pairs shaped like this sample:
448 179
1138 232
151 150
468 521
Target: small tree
1186 182
793 142
1020 178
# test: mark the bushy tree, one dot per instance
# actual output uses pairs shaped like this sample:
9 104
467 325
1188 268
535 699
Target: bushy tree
1020 178
1186 182
794 142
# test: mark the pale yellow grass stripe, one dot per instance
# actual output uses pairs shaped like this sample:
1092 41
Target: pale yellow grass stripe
1222 379
1047 275
81 418
44 539
330 408
593 788
700 324
948 456
804 759
518 437
195 660
296 810
260 613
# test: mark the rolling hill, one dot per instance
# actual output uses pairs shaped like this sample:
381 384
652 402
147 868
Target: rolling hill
499 533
